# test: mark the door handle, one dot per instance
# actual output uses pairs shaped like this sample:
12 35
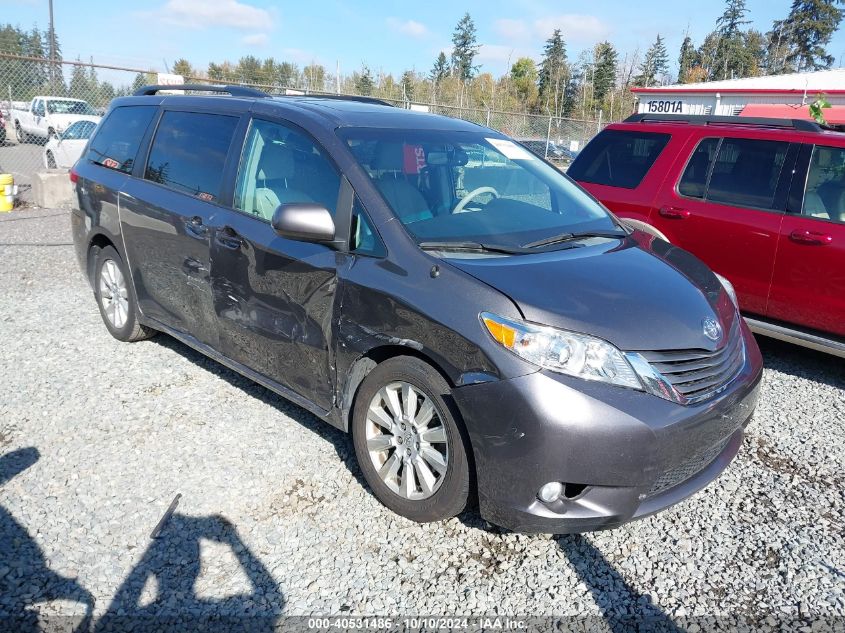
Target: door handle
195 227
674 213
810 238
228 237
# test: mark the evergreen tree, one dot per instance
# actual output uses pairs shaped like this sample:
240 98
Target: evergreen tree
441 68
409 79
249 69
287 74
604 74
799 41
731 58
687 60
183 67
733 19
655 64
554 74
465 49
215 71
80 84
139 82
364 82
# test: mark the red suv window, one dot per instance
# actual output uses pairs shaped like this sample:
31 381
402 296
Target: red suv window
736 171
618 158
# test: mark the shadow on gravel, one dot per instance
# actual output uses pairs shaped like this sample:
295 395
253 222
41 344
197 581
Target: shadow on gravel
25 578
341 441
802 362
160 593
622 607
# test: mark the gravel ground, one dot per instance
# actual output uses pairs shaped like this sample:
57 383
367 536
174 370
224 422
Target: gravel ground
97 437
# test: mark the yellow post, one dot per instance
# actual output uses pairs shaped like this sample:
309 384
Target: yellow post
7 192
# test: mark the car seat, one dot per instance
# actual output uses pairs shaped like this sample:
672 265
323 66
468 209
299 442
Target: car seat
405 199
275 169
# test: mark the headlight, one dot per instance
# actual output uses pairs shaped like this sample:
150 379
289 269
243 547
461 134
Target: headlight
565 352
729 288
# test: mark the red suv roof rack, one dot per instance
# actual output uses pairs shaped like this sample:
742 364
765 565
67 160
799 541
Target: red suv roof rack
699 119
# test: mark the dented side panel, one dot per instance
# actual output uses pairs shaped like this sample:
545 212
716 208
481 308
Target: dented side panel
385 305
274 300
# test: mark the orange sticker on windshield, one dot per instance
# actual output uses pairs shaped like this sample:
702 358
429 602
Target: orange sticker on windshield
111 163
414 158
202 195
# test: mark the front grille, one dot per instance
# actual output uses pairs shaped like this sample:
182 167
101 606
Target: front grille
698 374
686 469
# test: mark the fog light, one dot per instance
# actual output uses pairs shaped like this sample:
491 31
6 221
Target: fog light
550 491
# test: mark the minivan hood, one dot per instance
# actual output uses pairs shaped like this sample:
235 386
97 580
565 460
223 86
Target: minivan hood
639 293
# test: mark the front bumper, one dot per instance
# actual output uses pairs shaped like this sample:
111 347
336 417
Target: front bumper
635 453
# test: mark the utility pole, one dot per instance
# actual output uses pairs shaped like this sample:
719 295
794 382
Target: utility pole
53 67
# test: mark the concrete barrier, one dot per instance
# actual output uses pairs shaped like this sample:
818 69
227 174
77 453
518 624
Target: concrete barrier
51 188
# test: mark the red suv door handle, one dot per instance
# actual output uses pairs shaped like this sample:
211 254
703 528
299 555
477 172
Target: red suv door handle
810 238
674 213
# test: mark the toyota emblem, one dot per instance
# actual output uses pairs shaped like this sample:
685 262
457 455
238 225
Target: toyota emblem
711 329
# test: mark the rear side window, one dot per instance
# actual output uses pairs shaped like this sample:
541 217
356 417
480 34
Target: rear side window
118 137
618 158
746 172
694 181
189 151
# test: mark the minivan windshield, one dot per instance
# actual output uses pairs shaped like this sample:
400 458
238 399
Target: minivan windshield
474 188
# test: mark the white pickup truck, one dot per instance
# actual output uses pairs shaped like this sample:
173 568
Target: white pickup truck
48 117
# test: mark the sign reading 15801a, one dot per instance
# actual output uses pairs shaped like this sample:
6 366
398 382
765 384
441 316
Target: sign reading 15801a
666 107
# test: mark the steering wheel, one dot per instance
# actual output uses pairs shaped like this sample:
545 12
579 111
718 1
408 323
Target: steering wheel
472 195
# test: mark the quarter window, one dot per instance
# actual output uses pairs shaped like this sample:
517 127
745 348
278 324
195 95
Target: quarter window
118 137
746 172
189 152
364 239
618 158
282 165
825 194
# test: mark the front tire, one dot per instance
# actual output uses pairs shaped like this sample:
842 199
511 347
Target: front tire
409 441
116 298
51 160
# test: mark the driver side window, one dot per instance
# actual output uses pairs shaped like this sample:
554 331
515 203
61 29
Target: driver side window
282 165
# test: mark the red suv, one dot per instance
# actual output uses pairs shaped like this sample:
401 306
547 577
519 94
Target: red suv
761 201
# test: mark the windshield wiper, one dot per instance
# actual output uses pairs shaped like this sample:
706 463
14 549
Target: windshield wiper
476 247
566 237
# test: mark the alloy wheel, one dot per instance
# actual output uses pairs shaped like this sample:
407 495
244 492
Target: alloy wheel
406 441
114 295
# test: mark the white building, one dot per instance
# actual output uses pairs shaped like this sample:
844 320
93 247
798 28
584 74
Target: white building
782 96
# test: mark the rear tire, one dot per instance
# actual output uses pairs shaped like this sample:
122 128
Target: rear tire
116 298
409 441
51 161
22 138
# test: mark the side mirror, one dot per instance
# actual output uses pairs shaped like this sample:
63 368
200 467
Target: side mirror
303 221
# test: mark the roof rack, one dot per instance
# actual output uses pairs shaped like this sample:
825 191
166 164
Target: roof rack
235 91
373 100
796 124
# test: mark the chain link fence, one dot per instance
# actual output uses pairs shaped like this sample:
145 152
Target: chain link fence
37 134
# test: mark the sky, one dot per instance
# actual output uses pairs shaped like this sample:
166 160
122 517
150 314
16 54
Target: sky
389 36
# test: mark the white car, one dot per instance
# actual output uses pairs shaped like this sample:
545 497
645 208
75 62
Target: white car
48 117
63 152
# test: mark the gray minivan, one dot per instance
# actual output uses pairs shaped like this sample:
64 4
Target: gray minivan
484 329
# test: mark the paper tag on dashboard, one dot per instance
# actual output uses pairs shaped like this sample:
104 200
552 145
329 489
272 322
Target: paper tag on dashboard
510 149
